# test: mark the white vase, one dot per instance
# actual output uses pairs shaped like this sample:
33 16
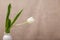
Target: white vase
7 36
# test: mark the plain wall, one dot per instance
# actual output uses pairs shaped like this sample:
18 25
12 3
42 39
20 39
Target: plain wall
45 12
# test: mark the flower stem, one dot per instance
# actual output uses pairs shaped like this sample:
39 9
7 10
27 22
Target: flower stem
23 23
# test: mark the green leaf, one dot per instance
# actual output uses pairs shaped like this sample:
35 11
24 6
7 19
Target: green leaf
8 21
16 17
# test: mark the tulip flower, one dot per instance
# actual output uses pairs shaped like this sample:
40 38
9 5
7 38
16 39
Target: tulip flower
28 21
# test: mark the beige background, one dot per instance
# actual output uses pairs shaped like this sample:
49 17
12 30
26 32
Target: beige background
45 12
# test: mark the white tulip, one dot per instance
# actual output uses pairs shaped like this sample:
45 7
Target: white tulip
30 20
